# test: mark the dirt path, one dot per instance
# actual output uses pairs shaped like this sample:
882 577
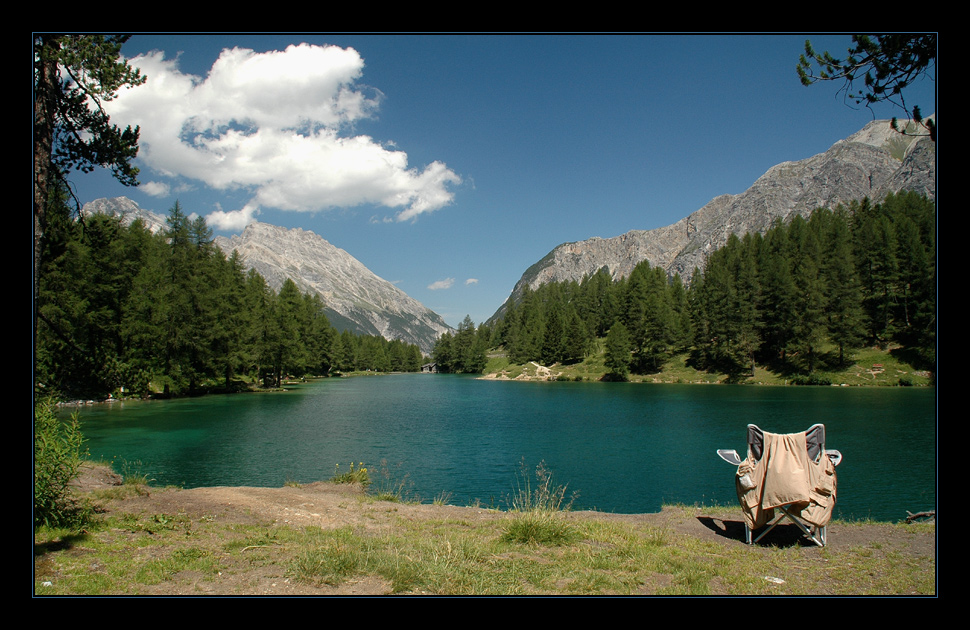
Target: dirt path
328 505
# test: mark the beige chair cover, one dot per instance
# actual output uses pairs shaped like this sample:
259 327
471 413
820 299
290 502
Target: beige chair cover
785 476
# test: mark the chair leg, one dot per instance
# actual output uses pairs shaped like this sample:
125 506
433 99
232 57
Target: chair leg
815 534
820 541
770 527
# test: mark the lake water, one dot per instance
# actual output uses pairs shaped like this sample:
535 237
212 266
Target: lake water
625 448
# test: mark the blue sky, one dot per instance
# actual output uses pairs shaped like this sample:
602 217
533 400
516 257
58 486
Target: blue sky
448 164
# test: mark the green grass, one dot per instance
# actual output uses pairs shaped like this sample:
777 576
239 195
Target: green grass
868 367
496 363
537 509
538 528
165 553
537 547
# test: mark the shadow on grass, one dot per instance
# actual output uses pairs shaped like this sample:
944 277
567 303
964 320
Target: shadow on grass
784 535
62 543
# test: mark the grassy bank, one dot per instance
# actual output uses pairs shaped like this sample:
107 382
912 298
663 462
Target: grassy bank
871 367
169 541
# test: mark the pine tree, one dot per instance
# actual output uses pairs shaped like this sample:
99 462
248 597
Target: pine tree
73 76
681 311
748 301
846 319
415 358
444 354
467 349
810 299
617 358
778 292
576 339
700 329
61 357
234 320
553 340
287 351
261 330
531 328
659 322
879 237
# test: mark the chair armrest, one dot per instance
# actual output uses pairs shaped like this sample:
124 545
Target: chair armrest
730 456
834 455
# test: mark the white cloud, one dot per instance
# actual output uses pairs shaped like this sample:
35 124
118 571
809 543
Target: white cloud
155 189
276 123
471 281
442 284
234 220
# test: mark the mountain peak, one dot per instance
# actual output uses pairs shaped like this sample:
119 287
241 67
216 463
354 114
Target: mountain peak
128 210
355 297
870 163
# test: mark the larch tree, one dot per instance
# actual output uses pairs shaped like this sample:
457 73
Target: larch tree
74 75
886 65
617 358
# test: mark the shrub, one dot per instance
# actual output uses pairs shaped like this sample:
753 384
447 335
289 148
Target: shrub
356 474
544 496
811 379
58 452
540 528
540 509
393 486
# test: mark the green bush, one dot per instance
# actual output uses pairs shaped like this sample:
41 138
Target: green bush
539 509
811 379
356 474
58 452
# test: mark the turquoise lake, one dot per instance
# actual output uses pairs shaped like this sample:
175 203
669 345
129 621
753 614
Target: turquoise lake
625 448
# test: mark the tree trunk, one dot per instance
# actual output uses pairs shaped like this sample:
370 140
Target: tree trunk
45 84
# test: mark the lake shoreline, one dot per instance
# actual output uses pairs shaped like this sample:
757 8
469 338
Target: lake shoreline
551 377
496 377
559 377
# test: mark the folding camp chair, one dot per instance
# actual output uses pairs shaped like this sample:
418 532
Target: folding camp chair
802 485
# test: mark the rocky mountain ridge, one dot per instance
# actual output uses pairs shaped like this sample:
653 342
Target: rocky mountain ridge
871 163
356 299
128 210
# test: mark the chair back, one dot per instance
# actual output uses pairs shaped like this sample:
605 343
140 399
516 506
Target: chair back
814 440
